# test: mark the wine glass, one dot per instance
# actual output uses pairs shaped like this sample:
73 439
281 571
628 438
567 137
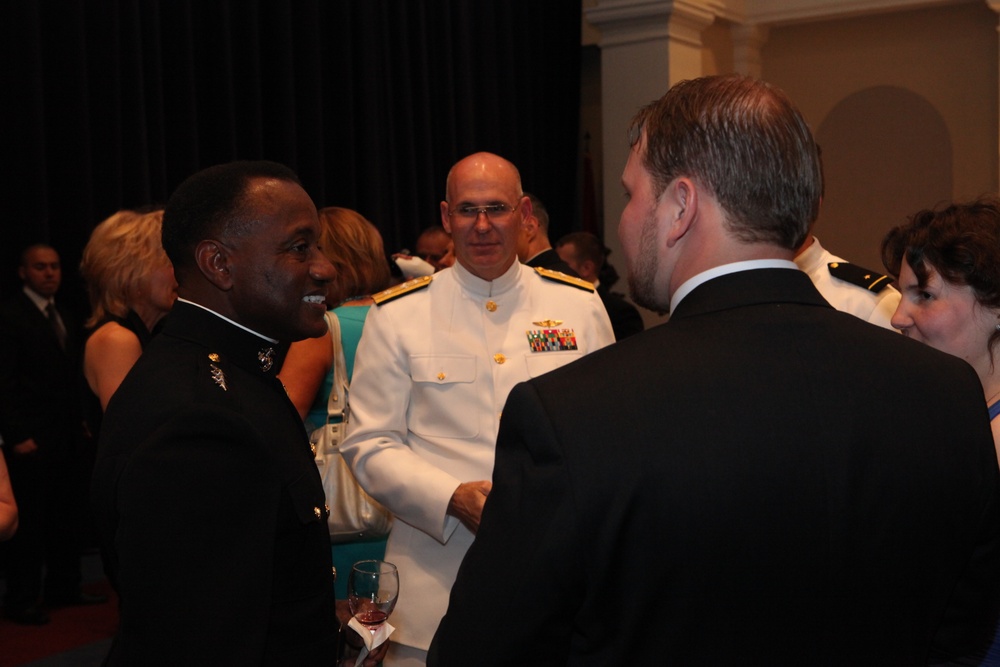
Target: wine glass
372 590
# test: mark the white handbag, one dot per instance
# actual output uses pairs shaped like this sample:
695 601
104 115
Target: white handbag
354 515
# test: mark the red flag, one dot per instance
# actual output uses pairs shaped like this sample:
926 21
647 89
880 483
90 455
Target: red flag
588 209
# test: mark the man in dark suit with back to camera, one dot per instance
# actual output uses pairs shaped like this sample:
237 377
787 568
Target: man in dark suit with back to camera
209 505
740 497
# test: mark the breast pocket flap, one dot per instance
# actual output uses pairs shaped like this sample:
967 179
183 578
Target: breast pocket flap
443 369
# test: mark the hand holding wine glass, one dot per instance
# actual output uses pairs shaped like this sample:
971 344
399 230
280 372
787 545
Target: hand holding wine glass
372 590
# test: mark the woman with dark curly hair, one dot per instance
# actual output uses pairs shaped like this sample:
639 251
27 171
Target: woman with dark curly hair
947 262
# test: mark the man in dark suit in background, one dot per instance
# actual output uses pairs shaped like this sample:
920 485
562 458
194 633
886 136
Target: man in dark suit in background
42 428
209 506
585 254
533 246
739 496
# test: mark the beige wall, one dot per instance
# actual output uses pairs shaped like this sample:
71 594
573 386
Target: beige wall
905 108
904 104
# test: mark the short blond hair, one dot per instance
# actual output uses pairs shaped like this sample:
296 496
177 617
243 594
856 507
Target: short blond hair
354 247
121 255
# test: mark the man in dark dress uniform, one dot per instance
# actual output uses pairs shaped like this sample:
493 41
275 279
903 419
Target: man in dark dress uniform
210 509
737 498
41 423
533 246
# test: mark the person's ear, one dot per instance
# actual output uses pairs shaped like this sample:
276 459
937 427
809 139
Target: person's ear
445 218
679 205
527 211
529 227
214 261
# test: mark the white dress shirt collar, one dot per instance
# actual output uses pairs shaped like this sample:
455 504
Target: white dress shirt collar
235 324
39 300
688 285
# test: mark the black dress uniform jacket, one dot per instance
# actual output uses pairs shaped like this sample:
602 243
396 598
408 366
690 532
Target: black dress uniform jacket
210 509
549 259
768 482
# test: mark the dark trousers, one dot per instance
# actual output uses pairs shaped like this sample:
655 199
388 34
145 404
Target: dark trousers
43 557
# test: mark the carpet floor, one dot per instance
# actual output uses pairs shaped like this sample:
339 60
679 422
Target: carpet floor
76 636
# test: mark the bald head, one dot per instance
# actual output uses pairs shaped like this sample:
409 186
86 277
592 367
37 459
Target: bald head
485 166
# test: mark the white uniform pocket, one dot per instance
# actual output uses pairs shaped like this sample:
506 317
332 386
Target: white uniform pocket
444 401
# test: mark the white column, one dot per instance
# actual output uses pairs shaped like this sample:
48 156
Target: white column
748 40
646 47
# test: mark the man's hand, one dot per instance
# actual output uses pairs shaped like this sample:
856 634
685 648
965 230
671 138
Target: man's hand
25 447
354 641
467 502
377 655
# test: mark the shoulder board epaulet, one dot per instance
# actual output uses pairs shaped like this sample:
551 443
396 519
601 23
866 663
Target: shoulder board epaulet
560 277
860 276
401 289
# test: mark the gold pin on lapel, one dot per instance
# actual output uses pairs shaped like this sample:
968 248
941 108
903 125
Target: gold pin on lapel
218 376
548 323
266 358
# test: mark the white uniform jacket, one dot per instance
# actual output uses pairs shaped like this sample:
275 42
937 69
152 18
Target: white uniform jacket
875 307
433 371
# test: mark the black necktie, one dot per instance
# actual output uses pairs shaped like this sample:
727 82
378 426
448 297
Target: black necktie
57 324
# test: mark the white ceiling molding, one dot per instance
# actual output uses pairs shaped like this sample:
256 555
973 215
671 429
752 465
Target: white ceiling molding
630 21
793 11
753 12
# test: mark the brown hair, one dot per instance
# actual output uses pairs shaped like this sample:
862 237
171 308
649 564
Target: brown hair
959 241
743 140
354 247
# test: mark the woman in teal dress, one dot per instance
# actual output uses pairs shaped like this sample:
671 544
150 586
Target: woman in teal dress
354 247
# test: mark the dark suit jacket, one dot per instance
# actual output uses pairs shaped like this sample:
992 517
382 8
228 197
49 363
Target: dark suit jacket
40 382
763 481
549 259
625 318
210 509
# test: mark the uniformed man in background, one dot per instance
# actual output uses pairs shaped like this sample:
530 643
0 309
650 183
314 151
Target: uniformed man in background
438 357
848 287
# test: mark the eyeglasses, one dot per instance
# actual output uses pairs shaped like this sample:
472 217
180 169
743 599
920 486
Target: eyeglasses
493 212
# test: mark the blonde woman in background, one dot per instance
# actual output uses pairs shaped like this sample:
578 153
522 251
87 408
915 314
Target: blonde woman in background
131 286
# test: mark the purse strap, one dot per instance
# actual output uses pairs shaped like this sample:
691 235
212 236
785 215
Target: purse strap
335 407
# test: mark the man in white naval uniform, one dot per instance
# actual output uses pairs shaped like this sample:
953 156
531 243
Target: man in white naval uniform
436 361
848 287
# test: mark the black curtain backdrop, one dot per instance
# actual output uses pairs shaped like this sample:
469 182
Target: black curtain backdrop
110 104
